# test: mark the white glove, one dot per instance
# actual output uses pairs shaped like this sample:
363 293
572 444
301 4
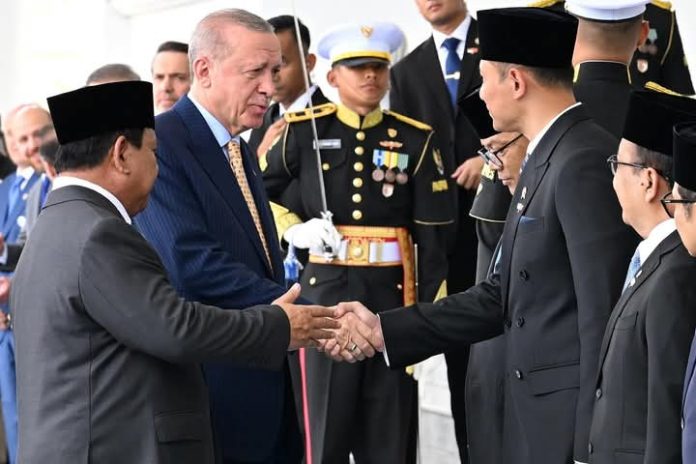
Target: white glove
314 234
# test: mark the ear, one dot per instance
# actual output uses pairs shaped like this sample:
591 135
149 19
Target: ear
311 61
651 181
201 70
331 77
644 31
120 155
518 82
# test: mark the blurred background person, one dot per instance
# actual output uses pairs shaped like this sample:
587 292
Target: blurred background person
171 75
114 72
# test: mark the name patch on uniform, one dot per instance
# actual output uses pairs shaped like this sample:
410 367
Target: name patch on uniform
440 186
328 144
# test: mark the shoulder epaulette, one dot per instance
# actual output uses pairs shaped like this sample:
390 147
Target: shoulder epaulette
543 3
409 121
305 115
664 4
654 86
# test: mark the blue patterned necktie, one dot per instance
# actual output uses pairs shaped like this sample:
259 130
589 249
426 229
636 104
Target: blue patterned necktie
452 66
15 192
632 269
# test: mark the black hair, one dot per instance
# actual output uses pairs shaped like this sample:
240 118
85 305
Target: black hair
91 152
173 46
287 23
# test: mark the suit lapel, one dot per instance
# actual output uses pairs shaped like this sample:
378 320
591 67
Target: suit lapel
470 61
529 182
212 159
689 371
434 80
19 206
646 270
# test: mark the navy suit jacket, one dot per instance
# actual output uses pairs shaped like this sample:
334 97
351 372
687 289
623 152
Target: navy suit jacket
201 227
11 222
689 409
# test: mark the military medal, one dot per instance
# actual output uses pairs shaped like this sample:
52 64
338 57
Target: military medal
378 175
401 178
390 176
387 190
402 164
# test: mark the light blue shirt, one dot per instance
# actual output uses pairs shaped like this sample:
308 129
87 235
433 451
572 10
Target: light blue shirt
220 132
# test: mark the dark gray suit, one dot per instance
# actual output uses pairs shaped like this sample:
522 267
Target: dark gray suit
563 259
641 365
107 352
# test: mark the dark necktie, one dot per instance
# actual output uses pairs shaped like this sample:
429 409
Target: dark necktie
452 66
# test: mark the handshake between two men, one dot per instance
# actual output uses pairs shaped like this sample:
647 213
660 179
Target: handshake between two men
345 332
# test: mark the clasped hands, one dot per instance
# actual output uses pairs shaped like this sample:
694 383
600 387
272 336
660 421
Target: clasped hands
358 337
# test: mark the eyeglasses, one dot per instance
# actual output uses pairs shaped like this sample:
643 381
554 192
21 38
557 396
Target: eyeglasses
614 163
493 156
668 200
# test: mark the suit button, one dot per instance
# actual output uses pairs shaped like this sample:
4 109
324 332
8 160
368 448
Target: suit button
360 135
520 322
358 166
357 198
357 182
524 275
508 323
357 215
312 280
598 393
359 151
325 166
518 374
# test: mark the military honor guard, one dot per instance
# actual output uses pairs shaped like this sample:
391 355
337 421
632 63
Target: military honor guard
383 180
660 56
646 342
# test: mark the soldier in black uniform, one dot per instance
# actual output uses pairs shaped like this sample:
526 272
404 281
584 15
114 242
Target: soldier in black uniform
386 186
661 58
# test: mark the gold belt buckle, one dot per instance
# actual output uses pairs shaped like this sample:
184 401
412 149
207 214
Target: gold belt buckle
359 250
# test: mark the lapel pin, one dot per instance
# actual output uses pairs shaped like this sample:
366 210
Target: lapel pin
524 192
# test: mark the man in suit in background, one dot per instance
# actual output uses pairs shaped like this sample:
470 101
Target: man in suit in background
209 220
426 85
563 253
645 345
108 352
290 92
171 76
112 72
684 197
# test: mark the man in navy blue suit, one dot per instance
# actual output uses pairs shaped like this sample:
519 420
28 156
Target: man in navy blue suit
209 219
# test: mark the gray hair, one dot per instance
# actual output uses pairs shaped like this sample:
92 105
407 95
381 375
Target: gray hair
207 37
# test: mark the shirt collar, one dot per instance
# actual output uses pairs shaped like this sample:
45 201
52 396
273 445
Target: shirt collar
460 33
352 119
65 181
535 141
300 102
220 132
656 236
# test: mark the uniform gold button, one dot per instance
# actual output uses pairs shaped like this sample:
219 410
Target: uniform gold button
357 182
325 166
360 135
312 280
357 198
356 252
357 215
358 166
359 151
399 287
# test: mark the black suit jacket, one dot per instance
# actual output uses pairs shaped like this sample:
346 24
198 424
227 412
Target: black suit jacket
642 361
564 255
418 90
108 353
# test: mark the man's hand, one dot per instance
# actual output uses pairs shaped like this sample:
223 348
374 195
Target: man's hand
468 174
5 284
314 234
2 243
4 321
308 324
271 136
360 335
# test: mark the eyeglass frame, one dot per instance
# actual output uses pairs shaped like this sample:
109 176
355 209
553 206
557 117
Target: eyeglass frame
491 156
673 201
614 163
